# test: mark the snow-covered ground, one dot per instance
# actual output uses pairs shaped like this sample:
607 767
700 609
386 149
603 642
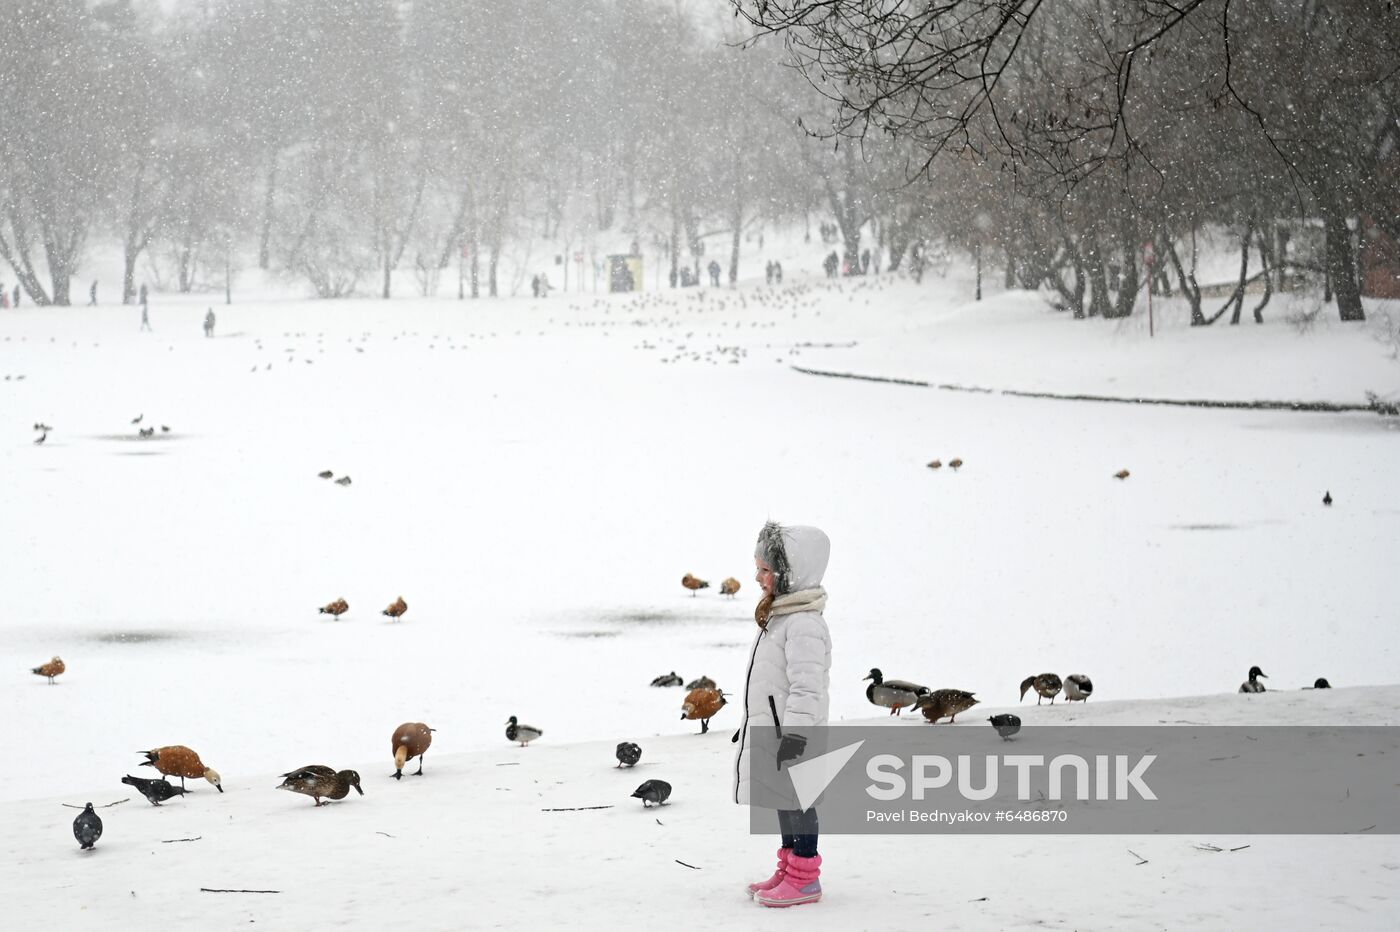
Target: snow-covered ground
534 477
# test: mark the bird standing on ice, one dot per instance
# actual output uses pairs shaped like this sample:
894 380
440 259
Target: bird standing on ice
522 733
176 760
1078 687
1252 685
894 695
411 739
51 669
87 828
1046 686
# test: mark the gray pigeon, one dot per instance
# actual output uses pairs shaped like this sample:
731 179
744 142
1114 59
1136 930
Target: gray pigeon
628 754
87 827
668 679
653 791
1006 724
157 791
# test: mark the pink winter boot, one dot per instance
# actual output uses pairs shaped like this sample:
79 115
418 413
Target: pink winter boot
799 885
778 874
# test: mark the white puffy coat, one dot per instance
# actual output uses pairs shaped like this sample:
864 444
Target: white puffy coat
791 657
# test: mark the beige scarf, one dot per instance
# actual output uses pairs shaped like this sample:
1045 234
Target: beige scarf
808 600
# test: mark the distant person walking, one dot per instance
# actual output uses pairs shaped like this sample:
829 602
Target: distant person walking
92 294
143 294
209 323
777 272
713 268
16 294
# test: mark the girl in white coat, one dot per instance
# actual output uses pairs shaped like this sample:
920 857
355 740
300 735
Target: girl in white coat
789 675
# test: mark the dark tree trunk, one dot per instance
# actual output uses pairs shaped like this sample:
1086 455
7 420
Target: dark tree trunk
1266 273
1189 288
1098 279
1128 284
1341 262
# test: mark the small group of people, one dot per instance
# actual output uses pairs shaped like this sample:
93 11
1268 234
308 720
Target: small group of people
539 285
830 232
773 272
858 265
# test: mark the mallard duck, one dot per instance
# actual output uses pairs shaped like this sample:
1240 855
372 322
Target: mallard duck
411 739
1046 685
1078 687
522 733
318 781
894 695
1006 724
51 669
653 791
667 679
703 682
729 587
702 705
945 702
176 760
693 583
628 754
1252 685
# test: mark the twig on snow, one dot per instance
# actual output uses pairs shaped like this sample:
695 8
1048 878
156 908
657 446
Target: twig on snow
683 864
1240 848
386 834
1141 860
171 841
1207 847
107 806
575 808
212 890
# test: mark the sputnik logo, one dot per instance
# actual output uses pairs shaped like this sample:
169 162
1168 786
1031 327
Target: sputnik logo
810 778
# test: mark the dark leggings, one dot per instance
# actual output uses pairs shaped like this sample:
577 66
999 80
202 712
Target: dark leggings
799 828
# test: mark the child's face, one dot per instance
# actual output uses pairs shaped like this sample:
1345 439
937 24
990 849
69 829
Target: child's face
765 576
